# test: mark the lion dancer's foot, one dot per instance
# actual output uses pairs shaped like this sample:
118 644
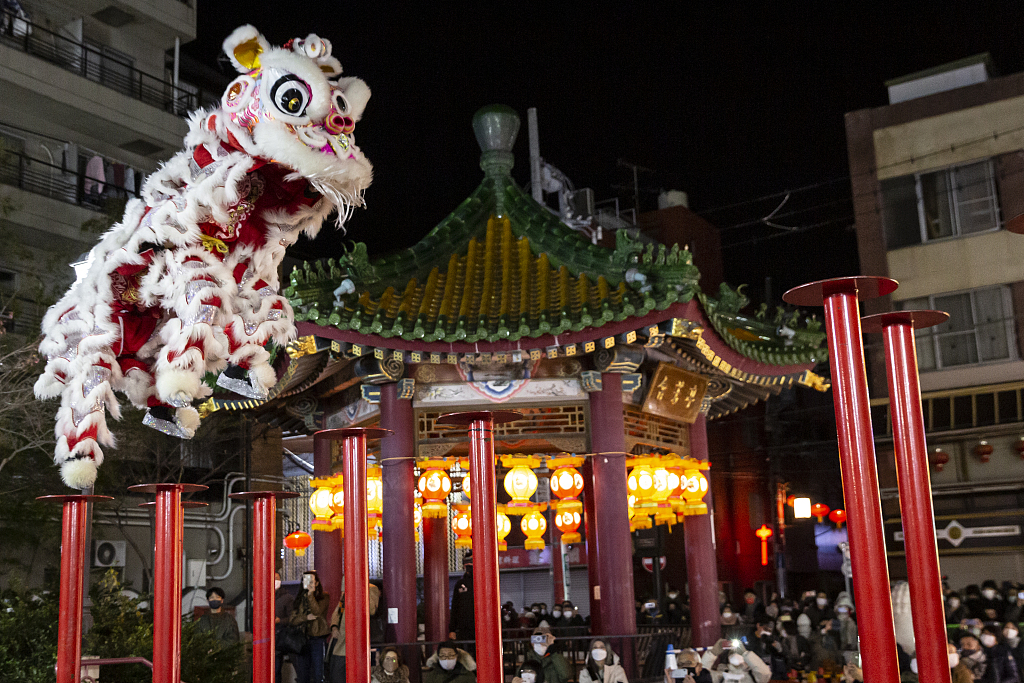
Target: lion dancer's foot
249 372
239 380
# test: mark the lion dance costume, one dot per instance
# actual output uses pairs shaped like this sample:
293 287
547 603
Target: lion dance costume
187 282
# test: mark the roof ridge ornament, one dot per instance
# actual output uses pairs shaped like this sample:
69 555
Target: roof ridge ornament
496 127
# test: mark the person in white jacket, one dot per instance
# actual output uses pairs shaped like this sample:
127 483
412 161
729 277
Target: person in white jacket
602 665
729 662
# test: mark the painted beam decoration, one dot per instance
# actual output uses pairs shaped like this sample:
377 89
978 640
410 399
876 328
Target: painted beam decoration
967 534
675 393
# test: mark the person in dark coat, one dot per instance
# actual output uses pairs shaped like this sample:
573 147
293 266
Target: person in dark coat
956 610
282 613
449 664
1011 634
1001 666
990 606
218 622
752 610
462 620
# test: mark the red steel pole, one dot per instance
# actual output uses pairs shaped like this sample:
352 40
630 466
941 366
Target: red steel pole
483 504
169 533
857 459
72 572
264 547
915 486
357 556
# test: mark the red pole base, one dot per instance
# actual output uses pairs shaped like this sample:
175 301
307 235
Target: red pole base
357 561
483 504
915 485
169 533
72 571
857 458
264 545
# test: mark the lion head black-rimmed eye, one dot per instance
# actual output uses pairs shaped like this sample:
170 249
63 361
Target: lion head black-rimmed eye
340 103
290 95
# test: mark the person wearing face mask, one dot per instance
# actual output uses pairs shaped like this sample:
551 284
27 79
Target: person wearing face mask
847 626
1014 605
450 664
753 610
956 611
688 669
1001 666
282 613
509 616
825 646
728 620
309 611
218 622
959 673
990 607
389 668
602 665
973 657
556 668
1011 634
818 610
735 664
795 648
529 672
529 617
572 620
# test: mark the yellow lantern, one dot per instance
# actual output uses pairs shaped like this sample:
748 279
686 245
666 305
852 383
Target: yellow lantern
504 527
434 485
641 483
534 525
320 504
696 487
417 520
462 526
466 487
568 522
520 482
338 505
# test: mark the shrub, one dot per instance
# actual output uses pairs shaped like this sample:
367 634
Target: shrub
28 635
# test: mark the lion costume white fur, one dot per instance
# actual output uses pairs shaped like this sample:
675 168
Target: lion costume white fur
187 282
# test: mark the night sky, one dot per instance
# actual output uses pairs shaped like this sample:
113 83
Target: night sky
723 101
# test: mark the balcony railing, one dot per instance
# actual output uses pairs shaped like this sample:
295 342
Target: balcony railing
952 410
49 180
98 66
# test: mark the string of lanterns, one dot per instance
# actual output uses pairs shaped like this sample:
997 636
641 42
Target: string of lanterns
662 489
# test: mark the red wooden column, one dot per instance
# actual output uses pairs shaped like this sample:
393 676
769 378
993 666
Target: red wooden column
593 558
483 504
435 578
915 485
72 586
857 458
357 556
327 555
701 560
611 515
264 551
398 455
169 533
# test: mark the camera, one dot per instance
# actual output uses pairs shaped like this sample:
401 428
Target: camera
539 638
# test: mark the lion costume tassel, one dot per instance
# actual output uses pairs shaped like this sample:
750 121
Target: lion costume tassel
187 282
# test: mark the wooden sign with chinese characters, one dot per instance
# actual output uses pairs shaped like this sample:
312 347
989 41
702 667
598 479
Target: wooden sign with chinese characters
675 394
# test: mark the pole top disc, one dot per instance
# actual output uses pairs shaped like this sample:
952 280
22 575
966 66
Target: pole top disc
864 286
74 497
156 488
346 432
916 319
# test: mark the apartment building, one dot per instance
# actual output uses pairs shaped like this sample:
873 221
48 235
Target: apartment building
91 103
936 174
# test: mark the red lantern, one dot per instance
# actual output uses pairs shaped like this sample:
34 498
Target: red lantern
298 541
938 459
838 516
462 526
983 450
819 510
434 485
764 533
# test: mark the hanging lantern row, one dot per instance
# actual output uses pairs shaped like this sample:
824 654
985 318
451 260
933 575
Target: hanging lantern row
520 482
804 509
566 484
665 489
327 502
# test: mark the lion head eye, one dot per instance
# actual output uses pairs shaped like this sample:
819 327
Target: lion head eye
291 95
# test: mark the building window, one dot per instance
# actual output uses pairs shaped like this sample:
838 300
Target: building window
980 328
953 202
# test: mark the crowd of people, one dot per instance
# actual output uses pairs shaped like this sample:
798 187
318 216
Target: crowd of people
812 637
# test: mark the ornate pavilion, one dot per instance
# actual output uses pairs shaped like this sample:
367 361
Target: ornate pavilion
608 353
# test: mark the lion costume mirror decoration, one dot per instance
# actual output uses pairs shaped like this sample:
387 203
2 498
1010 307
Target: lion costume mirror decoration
187 282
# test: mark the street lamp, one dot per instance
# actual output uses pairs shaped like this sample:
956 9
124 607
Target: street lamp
802 508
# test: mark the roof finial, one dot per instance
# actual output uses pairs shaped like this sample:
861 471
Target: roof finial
496 126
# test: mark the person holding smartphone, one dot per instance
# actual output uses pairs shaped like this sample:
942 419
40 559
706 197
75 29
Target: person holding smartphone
688 669
556 668
735 664
310 610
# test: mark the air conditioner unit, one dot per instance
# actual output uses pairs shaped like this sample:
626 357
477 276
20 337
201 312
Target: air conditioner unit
582 203
108 553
